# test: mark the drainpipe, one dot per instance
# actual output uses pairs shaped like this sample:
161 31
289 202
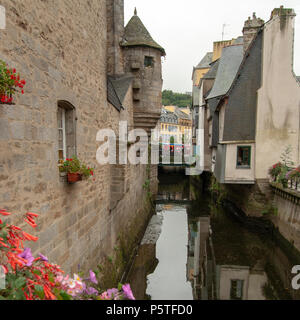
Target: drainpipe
201 129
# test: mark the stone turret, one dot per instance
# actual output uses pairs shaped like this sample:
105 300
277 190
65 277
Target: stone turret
142 57
250 30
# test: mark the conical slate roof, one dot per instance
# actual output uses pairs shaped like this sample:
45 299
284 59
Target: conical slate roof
136 34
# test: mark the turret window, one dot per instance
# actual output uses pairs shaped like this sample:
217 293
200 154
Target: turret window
149 61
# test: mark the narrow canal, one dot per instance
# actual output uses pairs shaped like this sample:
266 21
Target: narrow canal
194 249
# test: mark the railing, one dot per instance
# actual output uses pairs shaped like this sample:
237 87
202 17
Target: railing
293 184
290 193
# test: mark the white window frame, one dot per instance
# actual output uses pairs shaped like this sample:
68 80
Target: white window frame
63 129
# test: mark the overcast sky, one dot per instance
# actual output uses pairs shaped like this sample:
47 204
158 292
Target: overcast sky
188 28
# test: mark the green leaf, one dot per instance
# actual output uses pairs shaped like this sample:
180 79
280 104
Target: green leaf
65 296
19 283
37 272
20 295
120 286
39 291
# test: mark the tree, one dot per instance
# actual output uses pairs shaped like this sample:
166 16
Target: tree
181 100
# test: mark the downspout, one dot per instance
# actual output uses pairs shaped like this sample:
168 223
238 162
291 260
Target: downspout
201 129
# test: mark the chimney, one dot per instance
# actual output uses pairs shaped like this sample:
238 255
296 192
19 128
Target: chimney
251 28
115 33
283 14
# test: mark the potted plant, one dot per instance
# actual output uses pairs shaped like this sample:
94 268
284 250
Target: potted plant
76 171
9 82
275 170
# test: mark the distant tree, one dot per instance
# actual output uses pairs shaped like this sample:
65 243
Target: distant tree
172 140
181 100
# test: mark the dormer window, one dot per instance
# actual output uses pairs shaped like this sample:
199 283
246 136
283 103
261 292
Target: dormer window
149 62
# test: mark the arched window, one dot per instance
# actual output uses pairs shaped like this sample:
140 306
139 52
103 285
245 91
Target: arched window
66 124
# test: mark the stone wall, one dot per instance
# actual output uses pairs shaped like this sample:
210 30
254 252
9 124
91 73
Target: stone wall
60 48
287 218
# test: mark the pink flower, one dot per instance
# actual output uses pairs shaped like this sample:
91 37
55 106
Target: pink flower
127 291
92 277
27 255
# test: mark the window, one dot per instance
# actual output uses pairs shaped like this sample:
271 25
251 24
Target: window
243 157
149 62
66 130
62 149
236 290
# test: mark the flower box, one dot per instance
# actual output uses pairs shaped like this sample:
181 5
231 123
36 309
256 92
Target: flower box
74 177
74 170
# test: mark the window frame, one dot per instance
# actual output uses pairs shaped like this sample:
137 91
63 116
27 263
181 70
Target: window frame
248 166
149 62
63 129
69 122
232 288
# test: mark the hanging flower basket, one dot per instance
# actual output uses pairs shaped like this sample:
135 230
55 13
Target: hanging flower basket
9 83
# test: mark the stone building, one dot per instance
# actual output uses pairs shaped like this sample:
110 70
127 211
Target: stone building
85 71
174 123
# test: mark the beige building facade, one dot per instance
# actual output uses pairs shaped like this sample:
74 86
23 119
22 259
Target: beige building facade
278 99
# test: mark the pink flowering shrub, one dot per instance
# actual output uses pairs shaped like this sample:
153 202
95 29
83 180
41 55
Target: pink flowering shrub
80 289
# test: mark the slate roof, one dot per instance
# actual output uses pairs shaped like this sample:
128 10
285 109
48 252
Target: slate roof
239 40
136 35
205 62
182 115
212 73
117 87
230 61
240 111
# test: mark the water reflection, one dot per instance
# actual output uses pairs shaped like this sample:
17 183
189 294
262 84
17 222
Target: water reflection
168 281
214 278
193 250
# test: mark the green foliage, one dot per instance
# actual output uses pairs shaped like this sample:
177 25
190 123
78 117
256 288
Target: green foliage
9 82
216 190
75 166
286 157
181 100
282 171
271 210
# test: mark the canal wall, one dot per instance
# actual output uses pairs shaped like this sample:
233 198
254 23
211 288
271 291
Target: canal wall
287 218
265 200
273 213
